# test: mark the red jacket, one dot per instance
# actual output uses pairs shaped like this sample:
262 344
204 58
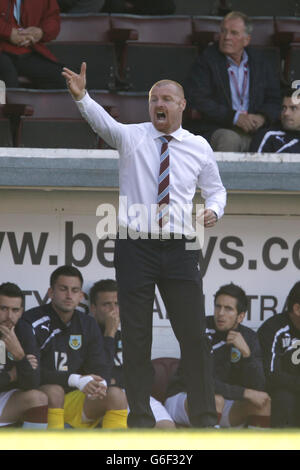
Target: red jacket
41 13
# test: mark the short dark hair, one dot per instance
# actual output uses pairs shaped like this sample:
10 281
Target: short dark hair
237 292
294 296
9 289
287 92
65 271
105 285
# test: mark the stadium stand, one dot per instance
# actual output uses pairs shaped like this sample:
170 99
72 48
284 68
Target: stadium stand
126 54
190 7
87 38
260 8
128 107
287 37
55 122
161 46
6 139
292 63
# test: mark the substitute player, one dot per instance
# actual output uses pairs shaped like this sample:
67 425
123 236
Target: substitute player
20 399
238 367
280 341
105 308
74 373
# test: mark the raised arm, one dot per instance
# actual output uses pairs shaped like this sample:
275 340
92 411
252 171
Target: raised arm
76 82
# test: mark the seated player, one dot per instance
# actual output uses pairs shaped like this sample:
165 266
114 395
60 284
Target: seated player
20 399
285 137
279 336
104 306
74 372
238 367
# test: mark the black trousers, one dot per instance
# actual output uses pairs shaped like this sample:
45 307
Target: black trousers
44 73
285 409
140 266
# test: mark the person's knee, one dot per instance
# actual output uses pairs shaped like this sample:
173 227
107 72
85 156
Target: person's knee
55 394
116 399
219 403
34 398
226 140
165 424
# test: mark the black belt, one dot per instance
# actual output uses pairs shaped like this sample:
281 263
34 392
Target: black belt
162 237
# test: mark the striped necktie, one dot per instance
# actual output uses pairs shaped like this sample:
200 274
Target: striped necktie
163 198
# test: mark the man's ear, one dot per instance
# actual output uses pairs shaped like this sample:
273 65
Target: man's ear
247 40
183 104
93 309
241 317
296 309
50 293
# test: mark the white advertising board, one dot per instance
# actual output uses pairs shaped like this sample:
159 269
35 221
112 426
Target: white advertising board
259 253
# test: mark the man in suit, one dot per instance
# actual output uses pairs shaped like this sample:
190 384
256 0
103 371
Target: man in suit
25 29
235 89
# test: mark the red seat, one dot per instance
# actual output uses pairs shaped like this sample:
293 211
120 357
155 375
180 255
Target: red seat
287 30
87 38
206 29
126 107
154 29
263 31
164 368
292 64
54 123
153 48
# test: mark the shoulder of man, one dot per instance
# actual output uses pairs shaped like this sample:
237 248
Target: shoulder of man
212 51
35 313
87 321
274 323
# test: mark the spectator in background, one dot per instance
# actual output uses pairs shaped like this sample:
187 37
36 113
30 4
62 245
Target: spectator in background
238 367
80 6
235 89
25 28
105 309
140 7
285 136
280 340
20 399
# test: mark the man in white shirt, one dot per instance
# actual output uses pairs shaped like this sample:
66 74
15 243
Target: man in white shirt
155 252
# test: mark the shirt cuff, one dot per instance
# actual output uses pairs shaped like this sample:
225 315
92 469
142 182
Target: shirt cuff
236 116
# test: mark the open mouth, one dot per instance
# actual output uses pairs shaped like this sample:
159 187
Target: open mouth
160 116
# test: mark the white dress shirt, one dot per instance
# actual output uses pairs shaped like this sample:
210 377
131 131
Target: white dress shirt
192 164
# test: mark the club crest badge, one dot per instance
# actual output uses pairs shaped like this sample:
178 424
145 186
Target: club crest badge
235 355
75 342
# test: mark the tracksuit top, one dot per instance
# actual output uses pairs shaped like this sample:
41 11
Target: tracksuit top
280 343
232 373
27 377
65 349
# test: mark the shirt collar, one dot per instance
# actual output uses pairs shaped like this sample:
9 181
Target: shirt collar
243 61
178 134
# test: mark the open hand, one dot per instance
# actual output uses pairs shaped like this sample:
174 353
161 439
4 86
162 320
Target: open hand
76 82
